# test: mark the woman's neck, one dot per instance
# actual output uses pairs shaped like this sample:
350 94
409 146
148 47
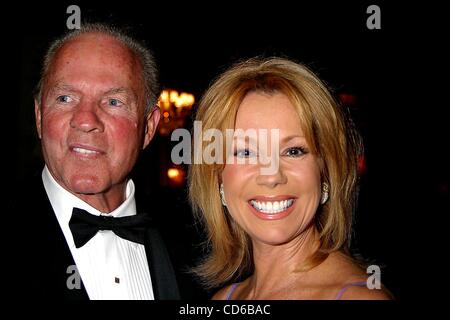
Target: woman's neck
277 267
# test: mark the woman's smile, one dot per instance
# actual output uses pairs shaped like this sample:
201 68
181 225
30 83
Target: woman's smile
272 208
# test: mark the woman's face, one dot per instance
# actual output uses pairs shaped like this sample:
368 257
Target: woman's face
272 208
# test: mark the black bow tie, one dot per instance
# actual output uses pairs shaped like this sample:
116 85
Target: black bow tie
85 225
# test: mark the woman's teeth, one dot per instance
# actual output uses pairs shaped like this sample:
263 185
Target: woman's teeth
271 207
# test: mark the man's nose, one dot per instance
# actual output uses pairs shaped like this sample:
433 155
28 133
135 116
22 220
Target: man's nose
273 179
86 117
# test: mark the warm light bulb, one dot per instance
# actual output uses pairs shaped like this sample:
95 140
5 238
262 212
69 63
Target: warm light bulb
173 173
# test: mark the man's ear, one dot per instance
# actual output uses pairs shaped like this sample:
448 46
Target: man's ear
151 124
37 113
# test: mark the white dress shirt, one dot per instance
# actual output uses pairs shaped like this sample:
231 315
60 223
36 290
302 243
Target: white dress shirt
111 268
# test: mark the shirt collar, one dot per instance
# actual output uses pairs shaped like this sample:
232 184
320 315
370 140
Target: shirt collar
63 201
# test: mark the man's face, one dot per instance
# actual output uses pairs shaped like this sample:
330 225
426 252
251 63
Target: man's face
91 120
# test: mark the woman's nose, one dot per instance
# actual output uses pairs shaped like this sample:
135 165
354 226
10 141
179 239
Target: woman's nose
273 179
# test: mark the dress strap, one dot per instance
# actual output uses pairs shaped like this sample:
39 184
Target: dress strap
233 286
352 284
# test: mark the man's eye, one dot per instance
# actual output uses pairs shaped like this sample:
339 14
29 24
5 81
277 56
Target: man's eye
64 99
295 152
244 153
114 102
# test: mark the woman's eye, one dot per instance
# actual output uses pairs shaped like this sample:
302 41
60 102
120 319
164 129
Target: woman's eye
114 102
244 153
64 99
295 152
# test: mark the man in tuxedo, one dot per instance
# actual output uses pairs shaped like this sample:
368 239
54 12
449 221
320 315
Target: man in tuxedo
81 235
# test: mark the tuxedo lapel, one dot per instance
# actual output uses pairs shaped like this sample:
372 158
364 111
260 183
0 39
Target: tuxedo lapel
50 262
64 278
43 265
161 271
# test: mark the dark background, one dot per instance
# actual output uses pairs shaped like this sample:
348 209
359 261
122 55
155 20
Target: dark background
399 109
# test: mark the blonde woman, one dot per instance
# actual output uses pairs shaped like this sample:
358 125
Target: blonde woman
280 233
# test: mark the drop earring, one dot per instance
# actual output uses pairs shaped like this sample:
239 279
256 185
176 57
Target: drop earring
222 195
325 192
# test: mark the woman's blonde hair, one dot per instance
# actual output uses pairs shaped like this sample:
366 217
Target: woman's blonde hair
329 134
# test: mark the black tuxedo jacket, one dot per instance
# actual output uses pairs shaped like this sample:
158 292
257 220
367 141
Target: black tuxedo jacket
40 256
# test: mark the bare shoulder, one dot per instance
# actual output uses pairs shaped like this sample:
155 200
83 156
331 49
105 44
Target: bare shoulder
222 293
343 268
350 273
364 293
